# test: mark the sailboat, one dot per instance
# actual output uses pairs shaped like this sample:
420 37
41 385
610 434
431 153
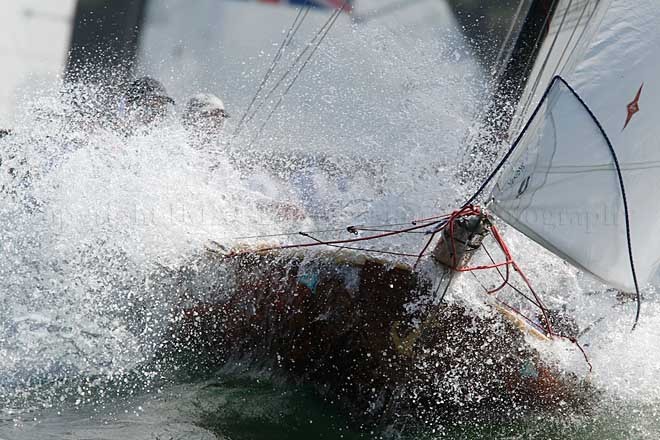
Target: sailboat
375 334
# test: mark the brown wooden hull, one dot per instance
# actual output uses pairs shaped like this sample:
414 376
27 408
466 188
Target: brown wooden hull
367 334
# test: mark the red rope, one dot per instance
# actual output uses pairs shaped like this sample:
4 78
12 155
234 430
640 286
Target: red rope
437 217
509 261
447 223
332 242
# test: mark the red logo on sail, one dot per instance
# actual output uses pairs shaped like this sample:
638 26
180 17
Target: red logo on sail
633 107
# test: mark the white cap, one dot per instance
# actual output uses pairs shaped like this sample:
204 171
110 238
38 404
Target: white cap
204 103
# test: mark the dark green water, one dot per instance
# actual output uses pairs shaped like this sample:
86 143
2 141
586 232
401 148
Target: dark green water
227 405
251 405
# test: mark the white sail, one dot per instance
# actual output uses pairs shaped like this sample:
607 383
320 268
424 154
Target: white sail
568 34
561 186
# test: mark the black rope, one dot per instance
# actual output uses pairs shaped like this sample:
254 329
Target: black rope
336 15
483 286
451 274
353 229
623 195
387 230
355 248
287 40
508 283
508 154
286 74
284 234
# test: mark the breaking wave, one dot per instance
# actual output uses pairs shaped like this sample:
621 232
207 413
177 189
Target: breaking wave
91 216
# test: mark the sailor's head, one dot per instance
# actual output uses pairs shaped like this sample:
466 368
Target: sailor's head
147 101
204 114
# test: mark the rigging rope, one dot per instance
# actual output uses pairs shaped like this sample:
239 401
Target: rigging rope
323 32
447 224
511 149
584 30
537 80
570 39
295 26
537 44
345 241
285 75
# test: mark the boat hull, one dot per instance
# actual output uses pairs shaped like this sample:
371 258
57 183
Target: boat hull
367 334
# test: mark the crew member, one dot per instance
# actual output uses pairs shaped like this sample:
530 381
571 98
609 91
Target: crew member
204 118
145 104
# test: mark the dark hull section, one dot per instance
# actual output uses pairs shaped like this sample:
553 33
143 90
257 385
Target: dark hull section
367 334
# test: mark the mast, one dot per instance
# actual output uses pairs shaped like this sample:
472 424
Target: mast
105 38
